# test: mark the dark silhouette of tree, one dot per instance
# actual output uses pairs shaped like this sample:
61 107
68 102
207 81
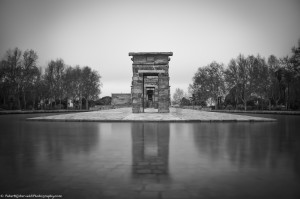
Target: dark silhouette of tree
29 74
262 80
232 80
295 84
275 77
12 69
69 83
81 82
50 82
287 78
58 79
177 96
22 79
41 89
185 102
243 75
4 84
54 78
295 59
77 83
104 101
90 84
208 82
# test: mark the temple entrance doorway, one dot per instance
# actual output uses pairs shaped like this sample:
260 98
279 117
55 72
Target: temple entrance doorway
149 97
150 93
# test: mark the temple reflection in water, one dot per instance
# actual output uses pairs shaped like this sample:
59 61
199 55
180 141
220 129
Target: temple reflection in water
150 149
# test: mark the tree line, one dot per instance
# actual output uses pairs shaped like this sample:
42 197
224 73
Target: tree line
249 82
24 85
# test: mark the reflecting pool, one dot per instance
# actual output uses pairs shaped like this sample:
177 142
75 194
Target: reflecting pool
150 160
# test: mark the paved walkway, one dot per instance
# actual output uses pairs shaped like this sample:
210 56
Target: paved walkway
175 115
260 112
6 112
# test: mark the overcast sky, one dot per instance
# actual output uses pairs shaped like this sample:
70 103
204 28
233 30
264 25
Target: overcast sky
100 34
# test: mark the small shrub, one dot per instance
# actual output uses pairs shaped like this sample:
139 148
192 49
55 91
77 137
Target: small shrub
4 106
229 107
58 106
212 107
249 108
29 107
240 107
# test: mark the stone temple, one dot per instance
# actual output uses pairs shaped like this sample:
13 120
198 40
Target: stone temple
150 81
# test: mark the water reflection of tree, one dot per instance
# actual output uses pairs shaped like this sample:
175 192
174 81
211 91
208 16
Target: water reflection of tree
25 144
71 138
289 137
150 149
254 145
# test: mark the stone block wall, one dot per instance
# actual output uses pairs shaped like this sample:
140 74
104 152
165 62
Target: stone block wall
145 65
163 93
121 99
137 93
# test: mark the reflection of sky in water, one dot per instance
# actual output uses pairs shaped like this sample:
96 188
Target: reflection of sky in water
245 158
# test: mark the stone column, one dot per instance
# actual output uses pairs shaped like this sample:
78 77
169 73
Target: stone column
137 93
155 97
163 93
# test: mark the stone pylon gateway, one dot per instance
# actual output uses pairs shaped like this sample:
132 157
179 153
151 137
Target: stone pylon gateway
150 81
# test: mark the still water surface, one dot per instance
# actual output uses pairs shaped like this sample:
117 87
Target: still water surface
150 160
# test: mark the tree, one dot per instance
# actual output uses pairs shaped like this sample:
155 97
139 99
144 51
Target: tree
104 101
58 78
41 89
232 81
69 84
200 91
248 73
274 73
208 82
287 78
54 78
241 73
20 78
49 80
185 102
73 84
216 82
262 80
295 62
11 74
29 73
295 59
90 84
232 97
177 96
4 87
81 82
